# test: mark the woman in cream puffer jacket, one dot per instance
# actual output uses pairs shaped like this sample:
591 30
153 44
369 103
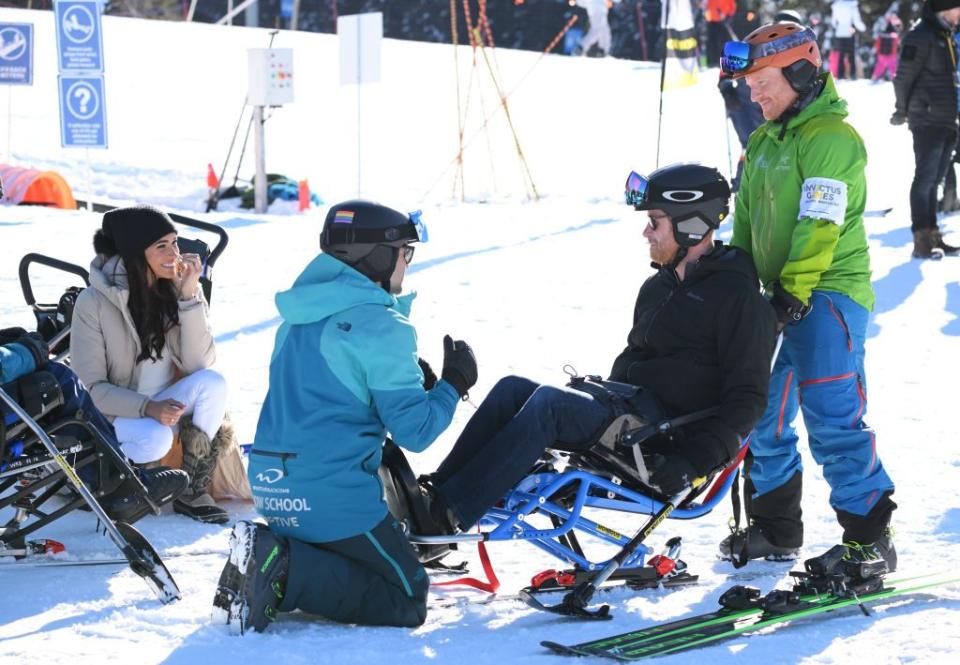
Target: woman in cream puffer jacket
140 340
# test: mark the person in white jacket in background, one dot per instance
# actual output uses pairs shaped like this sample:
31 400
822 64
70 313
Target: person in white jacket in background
599 33
846 22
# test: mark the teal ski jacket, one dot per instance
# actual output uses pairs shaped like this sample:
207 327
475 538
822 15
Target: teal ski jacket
343 375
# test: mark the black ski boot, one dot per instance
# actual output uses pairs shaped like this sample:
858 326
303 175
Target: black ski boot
881 550
443 519
849 567
163 485
253 580
750 543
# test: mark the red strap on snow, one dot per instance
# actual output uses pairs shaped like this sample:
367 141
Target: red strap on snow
492 583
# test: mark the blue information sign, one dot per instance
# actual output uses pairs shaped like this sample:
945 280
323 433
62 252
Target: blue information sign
83 112
79 37
16 53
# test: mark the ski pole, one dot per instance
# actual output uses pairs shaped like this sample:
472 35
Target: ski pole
663 76
215 197
726 130
577 600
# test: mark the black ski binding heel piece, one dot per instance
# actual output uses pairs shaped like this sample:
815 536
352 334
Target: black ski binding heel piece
740 597
780 601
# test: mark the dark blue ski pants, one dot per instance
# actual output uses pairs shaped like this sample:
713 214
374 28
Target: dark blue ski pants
373 579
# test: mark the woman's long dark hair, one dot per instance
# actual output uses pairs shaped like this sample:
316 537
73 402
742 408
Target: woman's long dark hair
153 307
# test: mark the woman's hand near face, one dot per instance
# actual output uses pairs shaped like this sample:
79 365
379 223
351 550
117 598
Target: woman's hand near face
188 275
166 412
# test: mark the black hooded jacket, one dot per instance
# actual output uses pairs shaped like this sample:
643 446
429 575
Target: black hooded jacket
925 83
702 342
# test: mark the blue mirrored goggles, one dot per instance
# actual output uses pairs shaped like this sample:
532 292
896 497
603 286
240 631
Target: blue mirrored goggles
735 57
738 57
636 189
416 218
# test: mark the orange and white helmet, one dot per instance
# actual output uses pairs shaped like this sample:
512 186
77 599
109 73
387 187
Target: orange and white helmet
786 45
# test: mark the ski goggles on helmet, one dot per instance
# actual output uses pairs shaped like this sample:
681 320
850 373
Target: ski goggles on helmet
636 189
416 218
738 57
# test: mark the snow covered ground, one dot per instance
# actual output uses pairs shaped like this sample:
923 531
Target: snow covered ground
531 285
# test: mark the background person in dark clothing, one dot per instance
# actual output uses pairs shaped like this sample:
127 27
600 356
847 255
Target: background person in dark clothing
744 113
926 88
702 337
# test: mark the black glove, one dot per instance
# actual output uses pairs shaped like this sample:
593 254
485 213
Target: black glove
10 335
38 348
429 376
897 118
728 91
788 307
670 474
459 365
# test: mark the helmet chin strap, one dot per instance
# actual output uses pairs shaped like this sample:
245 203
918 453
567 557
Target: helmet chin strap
677 258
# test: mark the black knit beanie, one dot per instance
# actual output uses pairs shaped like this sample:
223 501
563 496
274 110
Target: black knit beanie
129 231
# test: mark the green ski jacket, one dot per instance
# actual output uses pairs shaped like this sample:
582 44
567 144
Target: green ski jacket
799 210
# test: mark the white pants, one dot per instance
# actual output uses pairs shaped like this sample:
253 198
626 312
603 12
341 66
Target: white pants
599 33
205 395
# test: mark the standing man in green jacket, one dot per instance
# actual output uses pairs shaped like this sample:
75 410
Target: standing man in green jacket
799 213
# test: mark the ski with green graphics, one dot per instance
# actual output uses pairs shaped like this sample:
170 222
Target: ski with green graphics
776 609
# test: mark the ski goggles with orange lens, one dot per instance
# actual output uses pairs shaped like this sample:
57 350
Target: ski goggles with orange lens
739 57
636 189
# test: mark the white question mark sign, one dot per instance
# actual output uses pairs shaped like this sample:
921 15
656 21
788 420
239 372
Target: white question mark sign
84 95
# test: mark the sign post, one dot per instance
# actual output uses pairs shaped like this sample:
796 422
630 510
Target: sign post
270 83
83 119
360 37
79 36
83 101
16 53
16 65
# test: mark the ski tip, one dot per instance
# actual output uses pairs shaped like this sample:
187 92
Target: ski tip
562 649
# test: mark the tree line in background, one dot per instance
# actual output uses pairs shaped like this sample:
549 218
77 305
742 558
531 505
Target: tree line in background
522 24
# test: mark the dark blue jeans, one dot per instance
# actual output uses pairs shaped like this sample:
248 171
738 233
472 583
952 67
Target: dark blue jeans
932 150
516 422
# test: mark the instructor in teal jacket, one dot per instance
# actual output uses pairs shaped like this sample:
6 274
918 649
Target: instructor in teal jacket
344 374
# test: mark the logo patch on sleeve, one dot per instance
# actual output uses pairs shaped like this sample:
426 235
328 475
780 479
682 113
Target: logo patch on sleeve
823 198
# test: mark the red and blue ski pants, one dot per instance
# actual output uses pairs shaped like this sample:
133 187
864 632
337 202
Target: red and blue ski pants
820 372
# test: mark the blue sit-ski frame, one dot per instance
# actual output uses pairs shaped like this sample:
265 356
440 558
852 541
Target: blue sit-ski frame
533 495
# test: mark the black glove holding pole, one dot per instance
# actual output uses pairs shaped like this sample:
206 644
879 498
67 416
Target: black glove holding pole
459 365
670 474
